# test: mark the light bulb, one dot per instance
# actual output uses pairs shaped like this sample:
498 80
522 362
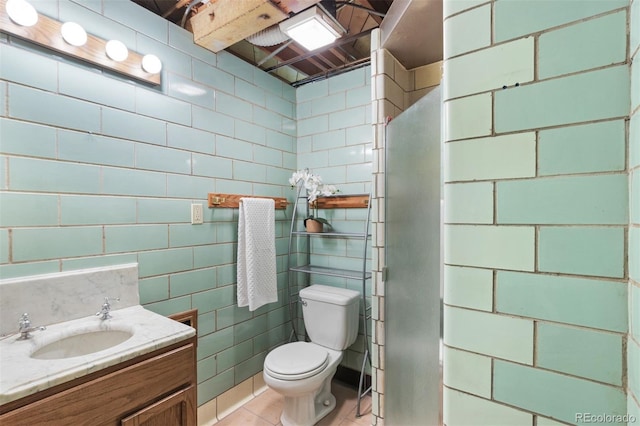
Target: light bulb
116 50
151 64
22 13
73 34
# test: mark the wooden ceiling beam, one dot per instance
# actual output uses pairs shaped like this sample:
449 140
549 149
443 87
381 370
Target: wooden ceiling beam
299 51
359 17
294 6
225 22
363 5
286 55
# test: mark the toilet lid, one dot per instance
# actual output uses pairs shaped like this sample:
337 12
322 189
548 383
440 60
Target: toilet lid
295 361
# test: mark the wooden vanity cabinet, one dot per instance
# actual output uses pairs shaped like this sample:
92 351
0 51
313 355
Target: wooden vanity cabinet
156 389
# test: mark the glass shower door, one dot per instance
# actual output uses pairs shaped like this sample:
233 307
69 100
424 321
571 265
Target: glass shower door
413 260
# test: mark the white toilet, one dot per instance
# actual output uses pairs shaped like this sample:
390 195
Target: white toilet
302 371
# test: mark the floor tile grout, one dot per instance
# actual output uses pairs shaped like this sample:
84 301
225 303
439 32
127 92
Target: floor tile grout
265 409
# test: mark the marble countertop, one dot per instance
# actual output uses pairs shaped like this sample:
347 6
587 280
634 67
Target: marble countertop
21 375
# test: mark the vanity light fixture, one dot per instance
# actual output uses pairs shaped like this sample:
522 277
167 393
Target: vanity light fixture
116 50
312 28
20 19
22 12
73 34
151 64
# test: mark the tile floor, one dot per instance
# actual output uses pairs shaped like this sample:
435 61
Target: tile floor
265 410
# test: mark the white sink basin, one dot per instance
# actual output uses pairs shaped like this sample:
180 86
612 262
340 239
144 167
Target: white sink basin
82 344
74 348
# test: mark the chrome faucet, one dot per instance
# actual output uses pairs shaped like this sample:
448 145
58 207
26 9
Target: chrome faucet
25 327
105 310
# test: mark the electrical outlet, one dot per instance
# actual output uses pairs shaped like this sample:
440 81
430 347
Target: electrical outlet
197 214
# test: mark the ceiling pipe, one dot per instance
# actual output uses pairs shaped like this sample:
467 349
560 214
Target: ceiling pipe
274 53
178 5
186 12
357 6
331 73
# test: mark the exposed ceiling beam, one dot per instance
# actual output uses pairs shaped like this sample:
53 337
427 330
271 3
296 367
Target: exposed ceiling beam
357 16
308 55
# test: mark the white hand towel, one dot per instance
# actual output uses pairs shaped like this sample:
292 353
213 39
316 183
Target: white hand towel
257 282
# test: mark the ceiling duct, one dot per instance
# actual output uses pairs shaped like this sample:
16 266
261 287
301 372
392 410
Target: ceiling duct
268 37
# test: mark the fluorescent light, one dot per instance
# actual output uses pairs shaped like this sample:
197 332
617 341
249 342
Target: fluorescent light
151 64
312 35
73 34
116 50
312 28
22 13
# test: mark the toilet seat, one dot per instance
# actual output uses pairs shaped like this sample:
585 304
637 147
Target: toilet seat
296 361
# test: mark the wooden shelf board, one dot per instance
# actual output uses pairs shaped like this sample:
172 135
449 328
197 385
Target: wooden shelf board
342 202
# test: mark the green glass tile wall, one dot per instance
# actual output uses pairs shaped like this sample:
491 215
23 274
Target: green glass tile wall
479 411
468 372
541 223
473 31
583 97
589 44
468 287
485 333
511 63
100 170
597 147
334 140
520 18
567 299
580 352
555 395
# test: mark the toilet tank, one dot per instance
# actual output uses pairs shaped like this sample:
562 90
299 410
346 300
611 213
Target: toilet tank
331 315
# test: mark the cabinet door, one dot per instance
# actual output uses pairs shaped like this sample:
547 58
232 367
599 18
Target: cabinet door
177 409
107 399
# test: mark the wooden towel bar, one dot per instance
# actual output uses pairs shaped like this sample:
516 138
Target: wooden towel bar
233 200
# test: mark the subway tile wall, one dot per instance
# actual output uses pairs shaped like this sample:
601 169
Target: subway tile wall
99 170
541 204
335 142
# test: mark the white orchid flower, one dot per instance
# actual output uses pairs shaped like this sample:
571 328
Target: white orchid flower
312 183
328 190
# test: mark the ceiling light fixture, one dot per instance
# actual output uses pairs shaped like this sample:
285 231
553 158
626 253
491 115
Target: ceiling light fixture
22 13
73 34
312 28
151 64
116 50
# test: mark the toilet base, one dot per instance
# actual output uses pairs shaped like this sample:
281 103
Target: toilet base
309 409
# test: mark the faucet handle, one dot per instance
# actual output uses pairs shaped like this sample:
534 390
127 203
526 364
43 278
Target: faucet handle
108 300
24 327
106 308
24 322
